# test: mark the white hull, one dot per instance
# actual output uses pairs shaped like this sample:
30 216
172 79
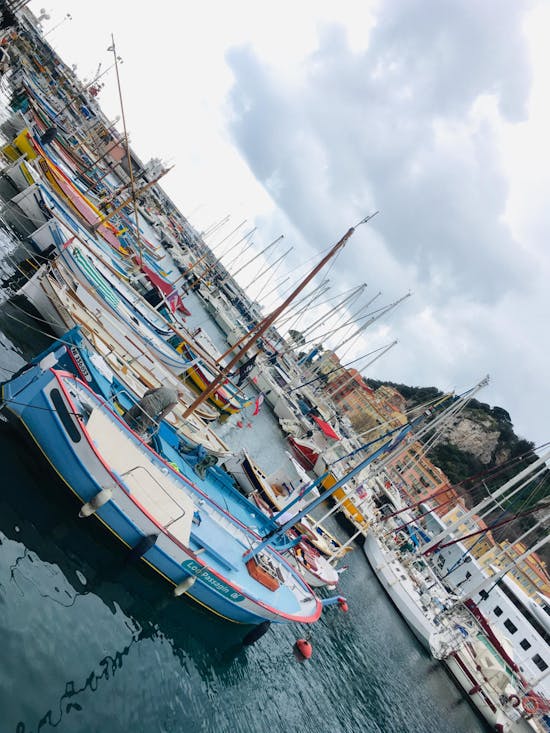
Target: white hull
466 677
33 291
27 201
399 587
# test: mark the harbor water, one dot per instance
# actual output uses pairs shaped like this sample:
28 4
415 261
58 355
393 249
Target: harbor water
91 642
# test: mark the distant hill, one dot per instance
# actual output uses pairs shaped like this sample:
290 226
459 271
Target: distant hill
482 441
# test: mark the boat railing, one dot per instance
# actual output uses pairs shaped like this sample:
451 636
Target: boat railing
182 509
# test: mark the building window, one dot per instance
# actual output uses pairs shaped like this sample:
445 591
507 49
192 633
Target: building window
524 644
539 661
512 628
498 611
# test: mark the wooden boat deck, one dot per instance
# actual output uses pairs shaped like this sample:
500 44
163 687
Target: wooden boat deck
152 486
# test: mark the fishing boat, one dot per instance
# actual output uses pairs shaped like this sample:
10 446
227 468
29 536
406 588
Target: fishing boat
407 592
227 397
313 566
273 493
195 544
308 450
311 553
57 299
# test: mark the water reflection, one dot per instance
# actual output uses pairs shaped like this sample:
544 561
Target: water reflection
105 670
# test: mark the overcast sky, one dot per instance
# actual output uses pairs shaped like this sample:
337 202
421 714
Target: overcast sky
303 117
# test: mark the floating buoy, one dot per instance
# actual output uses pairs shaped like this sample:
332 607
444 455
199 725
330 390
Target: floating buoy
530 704
256 633
302 650
248 424
239 423
343 605
91 507
184 586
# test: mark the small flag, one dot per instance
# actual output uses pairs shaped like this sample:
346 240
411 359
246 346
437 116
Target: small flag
245 370
258 403
174 301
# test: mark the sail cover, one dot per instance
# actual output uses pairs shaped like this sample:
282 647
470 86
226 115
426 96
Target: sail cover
326 428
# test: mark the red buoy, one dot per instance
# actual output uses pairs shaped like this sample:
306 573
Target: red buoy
303 649
343 605
239 423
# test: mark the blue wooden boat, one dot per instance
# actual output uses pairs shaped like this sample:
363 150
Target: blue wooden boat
145 500
73 353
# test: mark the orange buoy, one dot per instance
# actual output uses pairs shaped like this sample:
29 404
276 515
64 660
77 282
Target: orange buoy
530 704
343 605
303 649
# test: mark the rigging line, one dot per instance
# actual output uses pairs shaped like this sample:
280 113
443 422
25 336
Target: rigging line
37 407
430 442
336 369
38 330
303 267
21 244
497 470
540 485
128 154
459 406
269 281
20 215
462 559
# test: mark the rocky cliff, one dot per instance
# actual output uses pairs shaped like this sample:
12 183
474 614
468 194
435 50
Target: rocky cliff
479 451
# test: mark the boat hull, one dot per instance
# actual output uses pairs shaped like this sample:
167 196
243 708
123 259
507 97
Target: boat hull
388 574
48 417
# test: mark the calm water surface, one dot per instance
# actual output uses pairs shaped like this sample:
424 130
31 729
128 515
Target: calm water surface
92 643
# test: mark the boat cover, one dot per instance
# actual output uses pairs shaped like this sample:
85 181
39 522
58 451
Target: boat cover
326 428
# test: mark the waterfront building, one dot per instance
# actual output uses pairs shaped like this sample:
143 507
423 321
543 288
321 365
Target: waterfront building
524 621
418 479
530 573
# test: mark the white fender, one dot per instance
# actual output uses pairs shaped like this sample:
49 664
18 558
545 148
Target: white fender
91 507
184 586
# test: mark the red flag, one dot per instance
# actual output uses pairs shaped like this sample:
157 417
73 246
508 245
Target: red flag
258 403
174 301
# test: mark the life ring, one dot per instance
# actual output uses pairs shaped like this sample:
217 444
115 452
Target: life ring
530 704
514 700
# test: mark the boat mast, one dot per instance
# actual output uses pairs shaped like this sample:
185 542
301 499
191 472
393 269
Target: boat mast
503 571
375 317
350 297
269 246
383 350
430 546
269 320
128 156
234 246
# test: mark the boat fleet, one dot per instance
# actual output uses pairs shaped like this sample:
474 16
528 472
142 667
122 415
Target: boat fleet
105 271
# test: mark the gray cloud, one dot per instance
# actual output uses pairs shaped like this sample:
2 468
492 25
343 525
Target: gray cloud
394 127
409 126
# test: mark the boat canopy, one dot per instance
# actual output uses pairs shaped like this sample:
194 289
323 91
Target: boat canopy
326 428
